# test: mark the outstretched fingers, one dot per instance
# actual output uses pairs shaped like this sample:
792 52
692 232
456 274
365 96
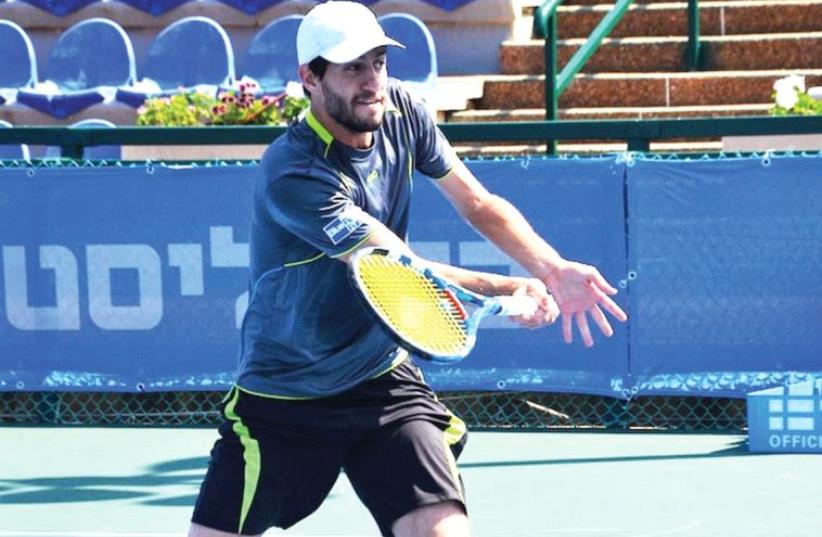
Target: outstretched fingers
581 320
614 309
586 292
610 306
584 329
567 329
601 321
601 283
607 302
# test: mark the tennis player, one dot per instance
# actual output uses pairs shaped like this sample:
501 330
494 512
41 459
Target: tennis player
320 386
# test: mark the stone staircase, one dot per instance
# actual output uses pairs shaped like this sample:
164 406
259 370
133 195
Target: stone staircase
639 71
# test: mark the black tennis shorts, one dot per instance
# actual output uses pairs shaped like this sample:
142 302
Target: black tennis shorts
276 460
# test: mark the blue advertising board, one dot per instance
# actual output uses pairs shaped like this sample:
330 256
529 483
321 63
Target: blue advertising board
726 286
122 278
576 204
134 278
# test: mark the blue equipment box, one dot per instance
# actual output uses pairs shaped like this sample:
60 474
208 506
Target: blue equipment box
786 418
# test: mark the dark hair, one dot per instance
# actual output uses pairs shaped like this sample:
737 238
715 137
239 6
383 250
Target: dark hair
317 66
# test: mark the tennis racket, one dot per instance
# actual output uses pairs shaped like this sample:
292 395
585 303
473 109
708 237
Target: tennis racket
426 314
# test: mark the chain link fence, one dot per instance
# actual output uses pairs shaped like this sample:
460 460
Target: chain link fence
480 410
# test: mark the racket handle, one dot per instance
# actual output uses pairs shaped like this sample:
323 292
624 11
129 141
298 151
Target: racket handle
517 305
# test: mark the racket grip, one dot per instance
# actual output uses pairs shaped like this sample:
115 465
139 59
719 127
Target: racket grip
517 305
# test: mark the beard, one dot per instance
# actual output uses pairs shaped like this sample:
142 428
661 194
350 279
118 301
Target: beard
343 112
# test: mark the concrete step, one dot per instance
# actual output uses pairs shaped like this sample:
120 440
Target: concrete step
456 93
655 112
725 17
641 89
644 54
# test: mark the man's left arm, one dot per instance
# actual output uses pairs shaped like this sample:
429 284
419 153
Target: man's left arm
579 289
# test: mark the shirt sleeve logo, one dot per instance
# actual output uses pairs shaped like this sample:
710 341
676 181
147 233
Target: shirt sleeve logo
341 228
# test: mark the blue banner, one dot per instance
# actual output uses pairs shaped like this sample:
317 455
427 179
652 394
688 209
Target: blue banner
726 277
577 206
132 279
122 279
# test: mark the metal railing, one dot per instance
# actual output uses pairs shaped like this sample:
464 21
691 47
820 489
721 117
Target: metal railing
694 50
637 133
545 27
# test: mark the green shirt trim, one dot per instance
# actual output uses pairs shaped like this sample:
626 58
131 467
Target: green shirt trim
304 261
320 131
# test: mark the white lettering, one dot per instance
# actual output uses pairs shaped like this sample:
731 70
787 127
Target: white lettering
65 315
189 259
225 253
803 441
101 260
147 311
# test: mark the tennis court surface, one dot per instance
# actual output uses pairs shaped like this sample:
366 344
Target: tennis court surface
119 482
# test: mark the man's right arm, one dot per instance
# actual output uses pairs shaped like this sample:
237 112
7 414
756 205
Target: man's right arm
579 289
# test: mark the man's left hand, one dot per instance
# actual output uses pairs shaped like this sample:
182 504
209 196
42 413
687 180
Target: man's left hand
580 290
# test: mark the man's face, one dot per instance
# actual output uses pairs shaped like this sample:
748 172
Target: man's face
354 92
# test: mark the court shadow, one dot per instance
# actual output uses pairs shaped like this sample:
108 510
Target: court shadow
149 485
148 488
738 448
68 496
192 463
186 500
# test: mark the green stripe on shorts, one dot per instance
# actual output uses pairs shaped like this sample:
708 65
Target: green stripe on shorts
453 434
251 456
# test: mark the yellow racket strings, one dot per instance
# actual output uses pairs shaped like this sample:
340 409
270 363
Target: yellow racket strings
413 306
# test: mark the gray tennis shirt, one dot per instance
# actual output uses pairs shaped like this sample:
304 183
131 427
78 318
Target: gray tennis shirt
305 333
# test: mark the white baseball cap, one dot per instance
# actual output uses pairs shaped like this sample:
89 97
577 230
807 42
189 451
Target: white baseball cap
340 31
